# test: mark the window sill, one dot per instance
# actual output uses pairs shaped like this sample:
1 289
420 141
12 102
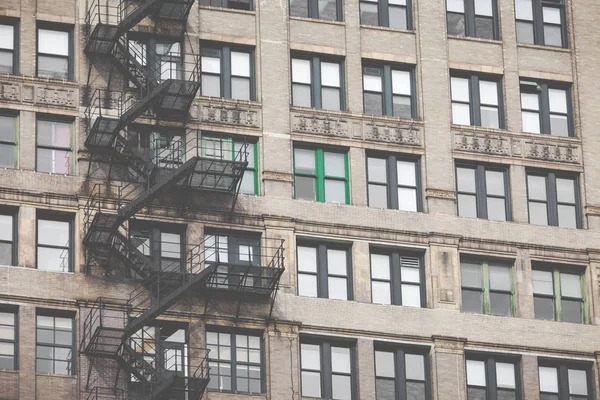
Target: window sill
35 79
227 393
235 102
475 39
227 10
53 272
322 202
544 48
318 21
9 371
74 377
479 129
388 29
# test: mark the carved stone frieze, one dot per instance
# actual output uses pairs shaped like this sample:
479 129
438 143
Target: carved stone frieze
400 134
39 93
551 151
229 114
320 125
278 176
592 210
482 143
441 194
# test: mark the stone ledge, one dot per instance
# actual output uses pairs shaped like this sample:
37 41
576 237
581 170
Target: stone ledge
41 92
213 110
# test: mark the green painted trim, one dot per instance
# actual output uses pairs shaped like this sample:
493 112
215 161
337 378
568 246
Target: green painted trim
584 300
319 175
72 156
347 178
320 169
485 276
513 292
557 295
17 136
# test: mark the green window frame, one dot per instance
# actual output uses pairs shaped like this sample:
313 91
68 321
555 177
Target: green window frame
54 147
317 173
228 148
554 293
9 140
485 286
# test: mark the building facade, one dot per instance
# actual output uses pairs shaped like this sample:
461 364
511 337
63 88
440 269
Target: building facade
304 199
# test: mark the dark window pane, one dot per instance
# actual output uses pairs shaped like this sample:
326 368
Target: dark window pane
548 396
552 35
472 301
7 156
305 188
373 103
571 311
385 389
484 27
456 24
368 13
299 8
402 107
398 18
506 395
5 254
239 4
301 95
378 196
44 366
327 9
543 308
525 32
415 391
500 304
467 206
53 67
476 394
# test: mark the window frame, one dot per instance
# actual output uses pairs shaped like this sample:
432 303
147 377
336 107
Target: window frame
13 213
383 14
233 333
490 360
557 297
562 366
400 350
61 120
552 195
325 344
475 96
313 10
470 25
60 314
541 90
392 178
537 23
486 291
225 4
155 231
316 85
15 23
396 281
481 195
322 273
8 309
16 117
387 94
58 217
53 26
225 75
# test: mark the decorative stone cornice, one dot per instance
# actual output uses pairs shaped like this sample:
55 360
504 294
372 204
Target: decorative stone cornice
592 210
42 92
278 176
445 344
441 194
242 114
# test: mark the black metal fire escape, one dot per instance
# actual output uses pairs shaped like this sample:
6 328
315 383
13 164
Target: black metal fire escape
112 327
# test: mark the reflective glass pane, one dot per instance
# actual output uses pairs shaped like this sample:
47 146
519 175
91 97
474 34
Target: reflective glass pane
411 295
299 8
401 82
335 164
460 89
559 125
240 88
415 391
341 387
525 32
330 99
310 356
301 95
211 85
500 304
378 197
494 183
381 292
335 191
240 64
340 359
369 14
536 187
337 288
571 311
307 285
415 367
553 35
524 9
407 199
476 373
484 27
327 9
531 122
456 24
301 71
305 188
577 382
548 379
336 262
380 266
385 364
372 83
461 114
472 301
505 375
500 278
476 394
490 117
53 42
7 38
465 178
385 389
402 107
53 67
373 103
570 285
496 209
407 175
542 282
311 384
54 233
7 128
304 161
377 170
543 308
565 190
330 74
567 216
7 156
488 92
398 18
455 5
467 206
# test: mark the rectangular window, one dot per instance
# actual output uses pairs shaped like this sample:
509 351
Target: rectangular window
165 245
227 71
472 18
394 182
324 270
54 54
54 244
477 100
389 90
330 10
321 175
233 253
246 5
327 369
396 278
234 149
391 13
9 133
546 108
318 81
492 378
559 294
482 192
487 287
8 237
565 380
553 199
235 361
9 33
401 373
54 146
55 349
541 22
8 339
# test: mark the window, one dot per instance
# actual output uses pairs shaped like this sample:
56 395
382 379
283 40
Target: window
163 245
235 362
327 370
9 33
54 244
389 90
394 182
54 58
541 22
565 381
55 349
8 339
233 149
234 253
546 108
165 55
321 175
401 373
396 278
559 294
492 378
227 71
476 101
390 13
9 128
317 82
235 4
473 18
553 199
8 237
324 270
54 144
487 287
482 192
319 9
